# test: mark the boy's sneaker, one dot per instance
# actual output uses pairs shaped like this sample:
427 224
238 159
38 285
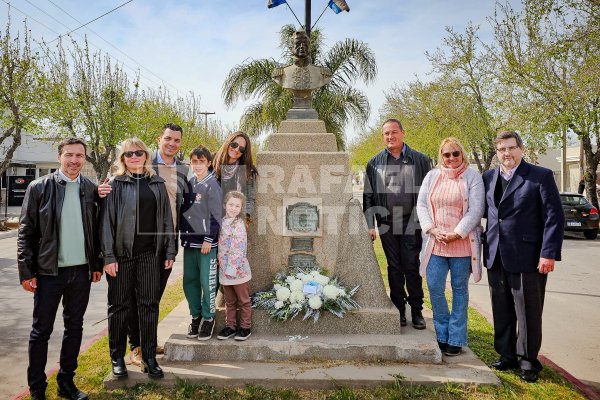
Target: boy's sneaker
243 334
193 328
226 333
206 329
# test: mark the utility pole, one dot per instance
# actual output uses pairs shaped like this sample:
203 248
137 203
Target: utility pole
206 114
307 22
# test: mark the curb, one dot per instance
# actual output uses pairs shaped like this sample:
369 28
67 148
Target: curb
584 389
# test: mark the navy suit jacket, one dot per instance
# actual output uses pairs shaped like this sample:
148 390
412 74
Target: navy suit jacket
527 224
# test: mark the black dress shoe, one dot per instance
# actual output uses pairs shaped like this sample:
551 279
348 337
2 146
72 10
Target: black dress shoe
151 367
528 375
442 346
68 390
418 322
452 350
38 394
119 369
503 365
403 319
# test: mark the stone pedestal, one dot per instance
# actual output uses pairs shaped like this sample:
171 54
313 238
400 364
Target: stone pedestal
302 166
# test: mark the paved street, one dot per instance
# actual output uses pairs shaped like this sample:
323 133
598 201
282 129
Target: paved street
571 318
16 307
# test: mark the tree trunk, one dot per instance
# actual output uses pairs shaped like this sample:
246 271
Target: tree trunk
15 133
591 165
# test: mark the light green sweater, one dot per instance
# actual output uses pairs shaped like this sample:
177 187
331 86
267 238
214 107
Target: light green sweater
71 249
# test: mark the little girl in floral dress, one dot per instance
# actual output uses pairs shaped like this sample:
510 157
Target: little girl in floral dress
234 270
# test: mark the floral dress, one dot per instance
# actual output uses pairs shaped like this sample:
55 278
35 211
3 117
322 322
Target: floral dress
234 268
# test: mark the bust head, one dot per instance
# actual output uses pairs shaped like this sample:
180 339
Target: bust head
300 48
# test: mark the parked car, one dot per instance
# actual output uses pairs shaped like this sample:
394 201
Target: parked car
580 215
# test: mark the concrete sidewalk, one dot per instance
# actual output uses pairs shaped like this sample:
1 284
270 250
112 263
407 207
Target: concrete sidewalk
312 374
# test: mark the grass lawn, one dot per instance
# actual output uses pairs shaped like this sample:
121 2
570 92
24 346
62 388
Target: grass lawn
94 365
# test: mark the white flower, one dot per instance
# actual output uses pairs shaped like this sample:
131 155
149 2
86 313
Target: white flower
314 272
297 306
290 279
331 292
278 305
296 286
306 278
342 292
296 297
321 279
315 302
277 286
299 275
283 294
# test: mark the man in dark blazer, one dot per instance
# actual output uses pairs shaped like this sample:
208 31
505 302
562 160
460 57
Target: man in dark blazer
523 239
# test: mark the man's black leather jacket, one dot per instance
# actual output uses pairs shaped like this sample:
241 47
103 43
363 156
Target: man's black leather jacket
38 240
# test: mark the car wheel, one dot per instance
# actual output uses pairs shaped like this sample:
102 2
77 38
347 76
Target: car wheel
590 234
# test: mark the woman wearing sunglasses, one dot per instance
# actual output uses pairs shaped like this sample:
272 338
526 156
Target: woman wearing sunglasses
450 206
137 239
234 168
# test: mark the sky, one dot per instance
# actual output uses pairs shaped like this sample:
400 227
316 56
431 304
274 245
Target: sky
190 45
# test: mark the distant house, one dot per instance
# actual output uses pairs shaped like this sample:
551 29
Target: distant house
553 159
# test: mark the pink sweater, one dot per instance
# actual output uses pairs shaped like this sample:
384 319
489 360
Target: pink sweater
447 205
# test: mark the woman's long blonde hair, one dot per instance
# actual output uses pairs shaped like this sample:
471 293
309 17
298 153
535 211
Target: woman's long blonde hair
457 143
121 168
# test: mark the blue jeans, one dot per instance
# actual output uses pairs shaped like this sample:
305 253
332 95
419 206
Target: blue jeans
450 327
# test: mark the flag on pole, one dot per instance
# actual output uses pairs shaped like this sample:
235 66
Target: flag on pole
275 3
338 6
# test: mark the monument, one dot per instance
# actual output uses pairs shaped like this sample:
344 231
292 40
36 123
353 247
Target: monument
305 215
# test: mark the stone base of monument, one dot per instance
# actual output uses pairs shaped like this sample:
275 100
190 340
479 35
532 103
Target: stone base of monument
310 362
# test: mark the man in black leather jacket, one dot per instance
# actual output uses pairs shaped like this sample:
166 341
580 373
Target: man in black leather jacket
392 182
58 258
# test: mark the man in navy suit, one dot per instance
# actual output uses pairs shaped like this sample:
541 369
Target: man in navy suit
523 239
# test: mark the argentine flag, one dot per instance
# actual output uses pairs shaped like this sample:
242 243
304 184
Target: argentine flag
275 3
338 6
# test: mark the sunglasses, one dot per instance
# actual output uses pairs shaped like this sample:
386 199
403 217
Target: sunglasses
453 154
138 153
235 145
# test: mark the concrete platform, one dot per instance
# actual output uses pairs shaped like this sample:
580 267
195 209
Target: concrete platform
316 373
409 346
412 348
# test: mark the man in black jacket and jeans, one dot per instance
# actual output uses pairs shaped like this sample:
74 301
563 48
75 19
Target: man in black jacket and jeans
58 259
391 187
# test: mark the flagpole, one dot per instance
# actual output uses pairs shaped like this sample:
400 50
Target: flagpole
307 23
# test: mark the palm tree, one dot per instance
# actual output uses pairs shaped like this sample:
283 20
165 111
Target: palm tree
337 103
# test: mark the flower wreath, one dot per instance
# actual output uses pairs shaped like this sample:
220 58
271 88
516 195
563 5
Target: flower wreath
305 291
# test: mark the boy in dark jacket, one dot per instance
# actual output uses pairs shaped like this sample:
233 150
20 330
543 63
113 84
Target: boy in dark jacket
200 216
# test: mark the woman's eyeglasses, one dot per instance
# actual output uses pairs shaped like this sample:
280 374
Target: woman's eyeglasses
453 154
138 153
236 145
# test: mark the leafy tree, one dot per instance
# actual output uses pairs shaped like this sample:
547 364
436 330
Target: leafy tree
469 76
551 52
156 107
337 103
20 80
91 98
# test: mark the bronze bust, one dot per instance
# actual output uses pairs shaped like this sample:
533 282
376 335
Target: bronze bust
301 77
